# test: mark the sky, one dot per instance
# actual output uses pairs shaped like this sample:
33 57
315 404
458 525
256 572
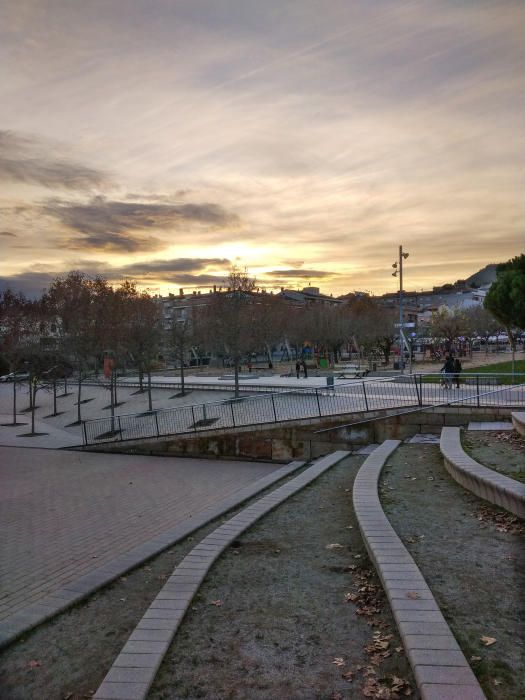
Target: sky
165 141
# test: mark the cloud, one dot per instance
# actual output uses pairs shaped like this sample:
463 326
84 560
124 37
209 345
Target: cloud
112 225
35 161
31 284
303 274
160 269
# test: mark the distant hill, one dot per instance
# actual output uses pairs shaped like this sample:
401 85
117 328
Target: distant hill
486 275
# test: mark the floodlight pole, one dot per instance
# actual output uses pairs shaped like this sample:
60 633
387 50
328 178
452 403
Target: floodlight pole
399 270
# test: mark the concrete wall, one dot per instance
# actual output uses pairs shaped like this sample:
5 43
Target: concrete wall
299 440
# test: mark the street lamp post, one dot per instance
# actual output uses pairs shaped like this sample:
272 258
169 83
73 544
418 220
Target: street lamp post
398 266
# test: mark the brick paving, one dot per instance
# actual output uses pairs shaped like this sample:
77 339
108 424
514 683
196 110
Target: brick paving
65 515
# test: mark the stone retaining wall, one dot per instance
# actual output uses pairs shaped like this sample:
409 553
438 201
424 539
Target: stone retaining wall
485 483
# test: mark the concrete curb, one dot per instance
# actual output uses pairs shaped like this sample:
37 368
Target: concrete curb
440 668
485 483
518 421
56 602
134 669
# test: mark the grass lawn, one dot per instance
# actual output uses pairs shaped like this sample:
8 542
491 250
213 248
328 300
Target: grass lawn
497 368
519 367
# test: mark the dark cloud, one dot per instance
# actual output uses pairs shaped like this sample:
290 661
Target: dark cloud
204 280
7 234
34 161
111 225
32 284
158 269
306 274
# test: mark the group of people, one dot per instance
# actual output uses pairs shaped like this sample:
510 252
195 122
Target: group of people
451 371
301 364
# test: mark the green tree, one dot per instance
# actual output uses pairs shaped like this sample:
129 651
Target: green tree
506 298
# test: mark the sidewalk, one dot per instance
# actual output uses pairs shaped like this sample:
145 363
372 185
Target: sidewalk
70 513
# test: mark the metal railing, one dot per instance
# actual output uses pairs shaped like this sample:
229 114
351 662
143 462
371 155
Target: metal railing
320 402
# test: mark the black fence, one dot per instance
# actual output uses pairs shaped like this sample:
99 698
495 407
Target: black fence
358 396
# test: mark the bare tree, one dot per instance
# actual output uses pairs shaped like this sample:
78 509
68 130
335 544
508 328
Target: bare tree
142 318
15 327
448 324
180 337
70 300
230 318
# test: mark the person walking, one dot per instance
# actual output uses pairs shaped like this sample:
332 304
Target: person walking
457 371
298 368
303 363
448 370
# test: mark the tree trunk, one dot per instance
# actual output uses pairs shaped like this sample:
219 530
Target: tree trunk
79 393
181 360
32 394
236 374
141 378
150 403
14 401
115 402
54 397
112 404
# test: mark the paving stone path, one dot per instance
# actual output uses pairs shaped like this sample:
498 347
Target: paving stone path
68 515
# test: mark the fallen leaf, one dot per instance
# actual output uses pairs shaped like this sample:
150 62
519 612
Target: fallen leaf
487 641
67 696
338 661
351 597
496 681
34 663
335 545
217 603
348 676
475 658
413 595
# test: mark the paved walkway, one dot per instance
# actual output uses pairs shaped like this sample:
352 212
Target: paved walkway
65 514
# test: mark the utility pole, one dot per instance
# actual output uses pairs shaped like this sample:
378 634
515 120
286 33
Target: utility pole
398 266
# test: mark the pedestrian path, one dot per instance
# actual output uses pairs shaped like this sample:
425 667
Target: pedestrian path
74 521
134 670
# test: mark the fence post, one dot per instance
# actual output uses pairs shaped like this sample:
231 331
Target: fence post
419 400
318 402
85 432
233 414
119 428
193 416
157 423
477 389
421 388
273 406
364 394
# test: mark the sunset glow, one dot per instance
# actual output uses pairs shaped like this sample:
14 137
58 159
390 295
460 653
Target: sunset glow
303 140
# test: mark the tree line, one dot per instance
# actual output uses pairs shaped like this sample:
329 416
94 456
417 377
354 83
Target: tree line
82 325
